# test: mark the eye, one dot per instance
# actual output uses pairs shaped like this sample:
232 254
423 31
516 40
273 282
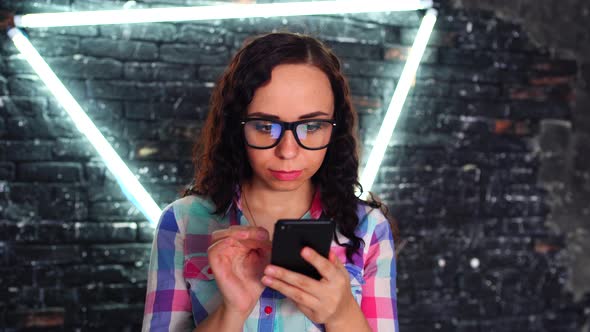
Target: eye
265 127
311 127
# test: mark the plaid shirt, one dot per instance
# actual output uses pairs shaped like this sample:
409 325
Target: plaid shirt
181 289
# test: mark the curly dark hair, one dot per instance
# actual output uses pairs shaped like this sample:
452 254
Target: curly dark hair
221 161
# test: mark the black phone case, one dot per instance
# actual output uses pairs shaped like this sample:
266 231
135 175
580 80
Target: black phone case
290 236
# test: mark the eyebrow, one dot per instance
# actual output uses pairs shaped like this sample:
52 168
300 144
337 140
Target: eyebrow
305 116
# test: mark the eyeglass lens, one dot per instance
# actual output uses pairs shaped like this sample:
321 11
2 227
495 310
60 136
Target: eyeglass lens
310 134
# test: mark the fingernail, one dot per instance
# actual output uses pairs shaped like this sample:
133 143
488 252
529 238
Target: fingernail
305 252
266 280
270 270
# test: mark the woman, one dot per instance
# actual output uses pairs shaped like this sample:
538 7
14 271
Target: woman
279 143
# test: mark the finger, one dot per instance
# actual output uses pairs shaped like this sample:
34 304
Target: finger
257 244
214 252
217 260
219 235
261 234
336 261
323 265
226 232
251 233
220 245
332 257
299 296
293 278
240 232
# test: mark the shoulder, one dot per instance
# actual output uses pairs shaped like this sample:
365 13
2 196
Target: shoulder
370 216
181 213
373 224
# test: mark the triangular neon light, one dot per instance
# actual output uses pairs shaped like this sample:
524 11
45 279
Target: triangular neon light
130 186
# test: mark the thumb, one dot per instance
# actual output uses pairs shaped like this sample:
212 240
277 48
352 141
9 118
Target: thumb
332 257
335 260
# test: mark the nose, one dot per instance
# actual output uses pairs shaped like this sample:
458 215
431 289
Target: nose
288 147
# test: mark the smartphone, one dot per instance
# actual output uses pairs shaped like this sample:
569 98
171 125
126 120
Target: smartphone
291 235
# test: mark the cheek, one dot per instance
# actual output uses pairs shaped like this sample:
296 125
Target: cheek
256 158
315 159
260 159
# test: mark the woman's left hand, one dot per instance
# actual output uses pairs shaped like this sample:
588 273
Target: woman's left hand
327 301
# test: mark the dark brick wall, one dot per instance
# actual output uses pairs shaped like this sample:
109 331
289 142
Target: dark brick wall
462 174
561 28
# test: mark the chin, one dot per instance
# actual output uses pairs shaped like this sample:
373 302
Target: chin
279 185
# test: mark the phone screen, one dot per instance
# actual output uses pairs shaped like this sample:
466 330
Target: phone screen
291 236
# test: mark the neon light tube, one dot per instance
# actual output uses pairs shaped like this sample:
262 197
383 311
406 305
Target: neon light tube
229 11
397 101
126 179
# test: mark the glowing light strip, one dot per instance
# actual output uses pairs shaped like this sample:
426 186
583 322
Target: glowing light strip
177 14
129 184
397 101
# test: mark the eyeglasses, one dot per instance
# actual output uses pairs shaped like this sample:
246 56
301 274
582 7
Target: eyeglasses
312 134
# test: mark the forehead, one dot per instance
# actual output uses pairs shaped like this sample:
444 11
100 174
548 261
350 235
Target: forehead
294 90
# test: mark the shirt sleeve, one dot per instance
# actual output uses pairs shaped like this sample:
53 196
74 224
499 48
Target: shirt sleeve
379 299
167 304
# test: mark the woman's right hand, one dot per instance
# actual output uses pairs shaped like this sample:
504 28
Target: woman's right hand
238 256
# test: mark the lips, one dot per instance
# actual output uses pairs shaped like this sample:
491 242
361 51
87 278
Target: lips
286 175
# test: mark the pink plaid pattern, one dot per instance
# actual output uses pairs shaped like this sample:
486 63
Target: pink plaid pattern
182 291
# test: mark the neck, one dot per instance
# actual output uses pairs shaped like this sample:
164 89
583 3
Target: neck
272 204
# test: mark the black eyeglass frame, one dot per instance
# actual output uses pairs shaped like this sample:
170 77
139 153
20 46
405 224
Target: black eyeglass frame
288 126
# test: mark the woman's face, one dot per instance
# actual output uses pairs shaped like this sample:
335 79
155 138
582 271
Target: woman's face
294 92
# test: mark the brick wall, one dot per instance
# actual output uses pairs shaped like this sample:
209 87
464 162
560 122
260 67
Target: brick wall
461 173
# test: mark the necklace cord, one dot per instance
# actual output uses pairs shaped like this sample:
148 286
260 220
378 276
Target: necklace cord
248 207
